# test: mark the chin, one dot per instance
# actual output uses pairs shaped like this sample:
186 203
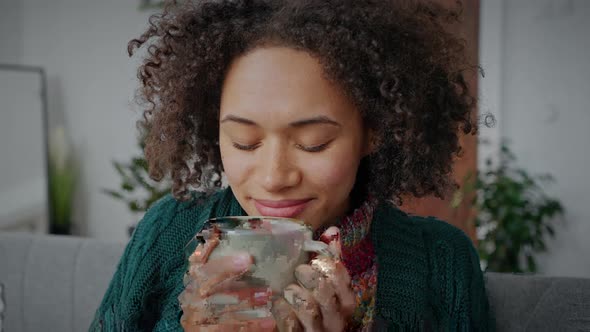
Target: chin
312 222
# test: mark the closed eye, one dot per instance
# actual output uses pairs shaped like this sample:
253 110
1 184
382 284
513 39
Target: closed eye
245 147
315 148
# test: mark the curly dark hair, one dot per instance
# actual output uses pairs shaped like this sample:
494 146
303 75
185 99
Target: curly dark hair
395 59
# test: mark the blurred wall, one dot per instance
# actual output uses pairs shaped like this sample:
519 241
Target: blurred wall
536 55
23 172
10 31
82 45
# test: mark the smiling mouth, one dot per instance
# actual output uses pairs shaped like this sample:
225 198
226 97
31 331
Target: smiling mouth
282 208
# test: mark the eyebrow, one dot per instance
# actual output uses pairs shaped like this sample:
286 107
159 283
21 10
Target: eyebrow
238 119
321 119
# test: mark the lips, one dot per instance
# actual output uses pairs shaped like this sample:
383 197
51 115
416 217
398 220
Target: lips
282 208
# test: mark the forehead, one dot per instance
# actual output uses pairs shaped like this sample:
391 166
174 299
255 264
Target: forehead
281 82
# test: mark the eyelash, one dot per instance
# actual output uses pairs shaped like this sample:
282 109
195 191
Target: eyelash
245 147
311 149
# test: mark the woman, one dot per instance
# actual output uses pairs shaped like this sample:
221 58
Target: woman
329 111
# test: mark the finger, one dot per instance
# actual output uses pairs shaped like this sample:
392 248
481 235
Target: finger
202 252
200 256
228 285
196 315
324 265
229 320
325 296
307 276
266 325
332 238
220 283
237 263
338 275
189 297
284 316
219 270
205 311
240 322
209 328
341 282
246 298
304 306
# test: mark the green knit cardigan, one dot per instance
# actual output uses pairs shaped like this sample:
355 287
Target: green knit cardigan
428 279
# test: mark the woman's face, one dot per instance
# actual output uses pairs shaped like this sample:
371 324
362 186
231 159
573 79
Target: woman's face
290 141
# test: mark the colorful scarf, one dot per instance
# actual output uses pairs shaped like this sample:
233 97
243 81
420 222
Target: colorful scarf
358 255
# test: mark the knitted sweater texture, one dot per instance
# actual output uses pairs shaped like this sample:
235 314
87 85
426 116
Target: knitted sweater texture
428 276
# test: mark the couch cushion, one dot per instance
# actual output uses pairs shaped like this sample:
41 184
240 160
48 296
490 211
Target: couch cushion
54 283
95 266
536 303
47 285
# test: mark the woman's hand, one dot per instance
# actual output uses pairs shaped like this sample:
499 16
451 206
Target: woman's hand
323 299
211 280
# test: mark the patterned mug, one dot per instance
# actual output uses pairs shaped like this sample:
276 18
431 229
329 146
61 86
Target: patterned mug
277 245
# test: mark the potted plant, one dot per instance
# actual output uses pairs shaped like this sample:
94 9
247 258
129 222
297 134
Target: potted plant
514 217
136 189
62 182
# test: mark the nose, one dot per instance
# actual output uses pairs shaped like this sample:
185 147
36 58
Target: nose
278 172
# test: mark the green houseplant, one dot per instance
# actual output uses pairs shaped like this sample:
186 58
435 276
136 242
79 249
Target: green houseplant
515 215
62 178
136 189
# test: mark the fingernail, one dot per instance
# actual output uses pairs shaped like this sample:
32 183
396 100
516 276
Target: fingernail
331 234
242 261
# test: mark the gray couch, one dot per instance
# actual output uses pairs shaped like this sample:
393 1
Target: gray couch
55 284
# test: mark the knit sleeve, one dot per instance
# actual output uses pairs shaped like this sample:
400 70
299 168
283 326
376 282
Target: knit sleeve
458 291
128 304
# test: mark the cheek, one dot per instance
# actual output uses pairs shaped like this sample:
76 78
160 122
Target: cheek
233 163
334 172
